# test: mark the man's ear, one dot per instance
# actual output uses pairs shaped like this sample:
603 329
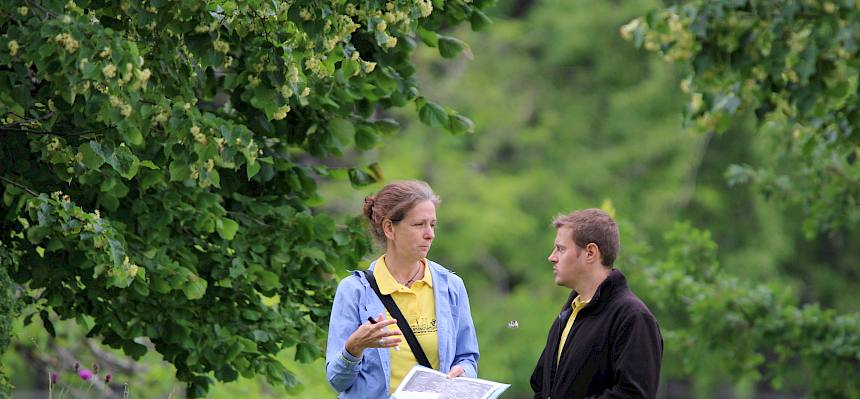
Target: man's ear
592 252
388 228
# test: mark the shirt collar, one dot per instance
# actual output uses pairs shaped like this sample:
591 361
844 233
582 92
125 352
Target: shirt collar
388 284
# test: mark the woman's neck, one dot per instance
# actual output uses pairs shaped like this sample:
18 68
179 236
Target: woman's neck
402 268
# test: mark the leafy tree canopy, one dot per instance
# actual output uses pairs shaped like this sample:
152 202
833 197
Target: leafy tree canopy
795 65
160 163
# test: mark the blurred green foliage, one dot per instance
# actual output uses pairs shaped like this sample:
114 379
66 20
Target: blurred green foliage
569 116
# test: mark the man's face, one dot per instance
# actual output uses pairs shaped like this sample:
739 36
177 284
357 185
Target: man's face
568 260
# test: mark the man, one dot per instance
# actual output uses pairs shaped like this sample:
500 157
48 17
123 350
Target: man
605 342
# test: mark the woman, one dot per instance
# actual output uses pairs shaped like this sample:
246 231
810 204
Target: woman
367 359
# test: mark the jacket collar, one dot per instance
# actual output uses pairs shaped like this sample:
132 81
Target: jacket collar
605 291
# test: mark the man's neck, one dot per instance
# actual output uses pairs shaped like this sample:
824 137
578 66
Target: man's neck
588 285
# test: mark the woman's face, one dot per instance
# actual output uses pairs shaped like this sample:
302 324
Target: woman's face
414 234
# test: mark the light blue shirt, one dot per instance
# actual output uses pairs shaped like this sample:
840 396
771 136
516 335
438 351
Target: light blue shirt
368 377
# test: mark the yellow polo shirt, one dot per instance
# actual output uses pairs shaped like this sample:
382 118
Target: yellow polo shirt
576 305
417 305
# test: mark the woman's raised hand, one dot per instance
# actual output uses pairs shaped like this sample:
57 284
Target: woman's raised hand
373 335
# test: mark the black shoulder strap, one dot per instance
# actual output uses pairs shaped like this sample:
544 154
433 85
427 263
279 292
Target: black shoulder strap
392 308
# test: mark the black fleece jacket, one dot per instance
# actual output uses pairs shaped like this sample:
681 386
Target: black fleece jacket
613 350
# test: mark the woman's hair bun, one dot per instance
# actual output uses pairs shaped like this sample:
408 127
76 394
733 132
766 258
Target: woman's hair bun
368 206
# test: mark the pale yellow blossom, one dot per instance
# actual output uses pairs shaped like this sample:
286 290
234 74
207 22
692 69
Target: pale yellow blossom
426 7
109 71
13 47
68 42
286 91
144 75
281 113
221 46
368 66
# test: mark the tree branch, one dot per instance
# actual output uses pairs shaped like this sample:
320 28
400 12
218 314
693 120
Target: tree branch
19 185
6 129
47 11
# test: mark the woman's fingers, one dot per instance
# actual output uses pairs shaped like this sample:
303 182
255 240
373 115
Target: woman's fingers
384 323
456 371
386 333
388 342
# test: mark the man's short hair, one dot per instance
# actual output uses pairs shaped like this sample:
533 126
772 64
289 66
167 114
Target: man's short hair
595 226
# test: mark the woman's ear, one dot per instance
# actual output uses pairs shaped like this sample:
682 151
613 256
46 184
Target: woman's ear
388 229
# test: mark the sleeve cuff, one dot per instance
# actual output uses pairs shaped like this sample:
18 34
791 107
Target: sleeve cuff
349 358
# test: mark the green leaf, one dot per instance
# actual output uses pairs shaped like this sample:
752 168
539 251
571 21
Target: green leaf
92 158
108 183
343 131
149 165
433 115
124 162
267 280
359 178
429 37
365 139
247 344
461 124
450 47
312 253
159 285
387 126
479 20
46 322
133 349
195 288
226 228
253 167
214 177
306 353
179 171
130 134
